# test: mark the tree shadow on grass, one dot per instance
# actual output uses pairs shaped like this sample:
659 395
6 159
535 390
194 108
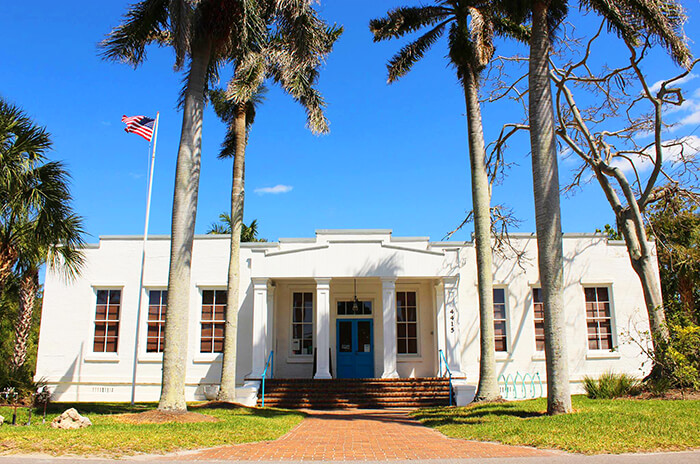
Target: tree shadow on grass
100 408
260 412
476 414
126 408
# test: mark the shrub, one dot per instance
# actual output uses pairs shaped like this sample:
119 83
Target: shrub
610 385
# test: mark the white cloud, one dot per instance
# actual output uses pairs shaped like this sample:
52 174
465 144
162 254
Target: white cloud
274 190
657 85
682 148
673 151
692 118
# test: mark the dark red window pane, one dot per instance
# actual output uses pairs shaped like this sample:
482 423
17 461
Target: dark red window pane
111 345
101 312
206 345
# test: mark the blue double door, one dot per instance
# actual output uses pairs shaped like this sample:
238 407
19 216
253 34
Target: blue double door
355 350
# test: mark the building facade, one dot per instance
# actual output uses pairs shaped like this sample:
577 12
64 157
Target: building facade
342 304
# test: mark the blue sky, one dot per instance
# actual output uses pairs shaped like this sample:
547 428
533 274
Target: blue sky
396 156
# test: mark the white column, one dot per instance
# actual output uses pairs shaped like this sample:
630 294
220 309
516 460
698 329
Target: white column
440 316
453 342
259 326
389 327
270 335
323 328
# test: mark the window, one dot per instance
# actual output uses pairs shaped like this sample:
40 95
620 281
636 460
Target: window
406 323
213 321
157 305
302 323
107 321
499 319
538 306
345 308
598 318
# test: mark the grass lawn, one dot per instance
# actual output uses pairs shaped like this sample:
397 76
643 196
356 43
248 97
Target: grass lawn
596 426
109 437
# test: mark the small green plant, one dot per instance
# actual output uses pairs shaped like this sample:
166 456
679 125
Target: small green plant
611 385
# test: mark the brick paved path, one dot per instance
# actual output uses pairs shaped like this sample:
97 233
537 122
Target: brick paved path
364 435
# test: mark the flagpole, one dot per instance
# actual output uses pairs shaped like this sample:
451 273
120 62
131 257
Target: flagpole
143 260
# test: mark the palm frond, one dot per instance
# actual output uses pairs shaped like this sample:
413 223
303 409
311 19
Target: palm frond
662 19
410 54
404 20
181 18
146 22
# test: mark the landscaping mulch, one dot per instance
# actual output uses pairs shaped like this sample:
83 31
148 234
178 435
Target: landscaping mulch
668 395
160 417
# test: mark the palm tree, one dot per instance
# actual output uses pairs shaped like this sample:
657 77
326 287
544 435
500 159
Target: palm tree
37 224
628 18
249 233
472 26
208 33
297 75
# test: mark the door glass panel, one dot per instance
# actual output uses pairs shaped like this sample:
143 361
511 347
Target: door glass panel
345 336
364 337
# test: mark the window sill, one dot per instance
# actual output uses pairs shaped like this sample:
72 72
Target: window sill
151 358
602 355
409 358
206 358
538 357
300 359
503 356
101 358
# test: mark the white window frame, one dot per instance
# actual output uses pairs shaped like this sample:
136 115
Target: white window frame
613 322
145 321
291 356
506 296
105 355
199 354
418 354
534 318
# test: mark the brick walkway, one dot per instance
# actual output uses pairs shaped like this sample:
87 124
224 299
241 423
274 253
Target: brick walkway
360 435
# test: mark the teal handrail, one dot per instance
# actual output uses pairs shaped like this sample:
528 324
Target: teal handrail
269 364
442 359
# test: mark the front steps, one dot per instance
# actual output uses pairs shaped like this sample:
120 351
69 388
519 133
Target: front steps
355 393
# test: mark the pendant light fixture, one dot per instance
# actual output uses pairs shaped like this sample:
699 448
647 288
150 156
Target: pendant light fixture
355 302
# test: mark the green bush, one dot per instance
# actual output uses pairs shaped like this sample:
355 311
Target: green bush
682 356
610 385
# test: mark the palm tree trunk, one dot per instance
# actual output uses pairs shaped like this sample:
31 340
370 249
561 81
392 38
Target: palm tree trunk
172 397
29 285
481 205
228 367
8 258
547 213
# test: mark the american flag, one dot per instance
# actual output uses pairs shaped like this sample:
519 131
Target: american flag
140 125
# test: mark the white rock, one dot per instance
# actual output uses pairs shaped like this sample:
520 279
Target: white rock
2 420
70 419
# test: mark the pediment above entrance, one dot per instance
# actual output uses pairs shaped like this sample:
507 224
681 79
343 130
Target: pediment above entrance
355 253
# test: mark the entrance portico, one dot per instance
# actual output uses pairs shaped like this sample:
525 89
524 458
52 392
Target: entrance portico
310 292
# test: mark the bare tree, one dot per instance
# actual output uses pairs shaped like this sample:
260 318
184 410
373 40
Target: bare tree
622 110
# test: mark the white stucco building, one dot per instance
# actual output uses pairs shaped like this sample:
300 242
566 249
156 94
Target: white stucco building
367 303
